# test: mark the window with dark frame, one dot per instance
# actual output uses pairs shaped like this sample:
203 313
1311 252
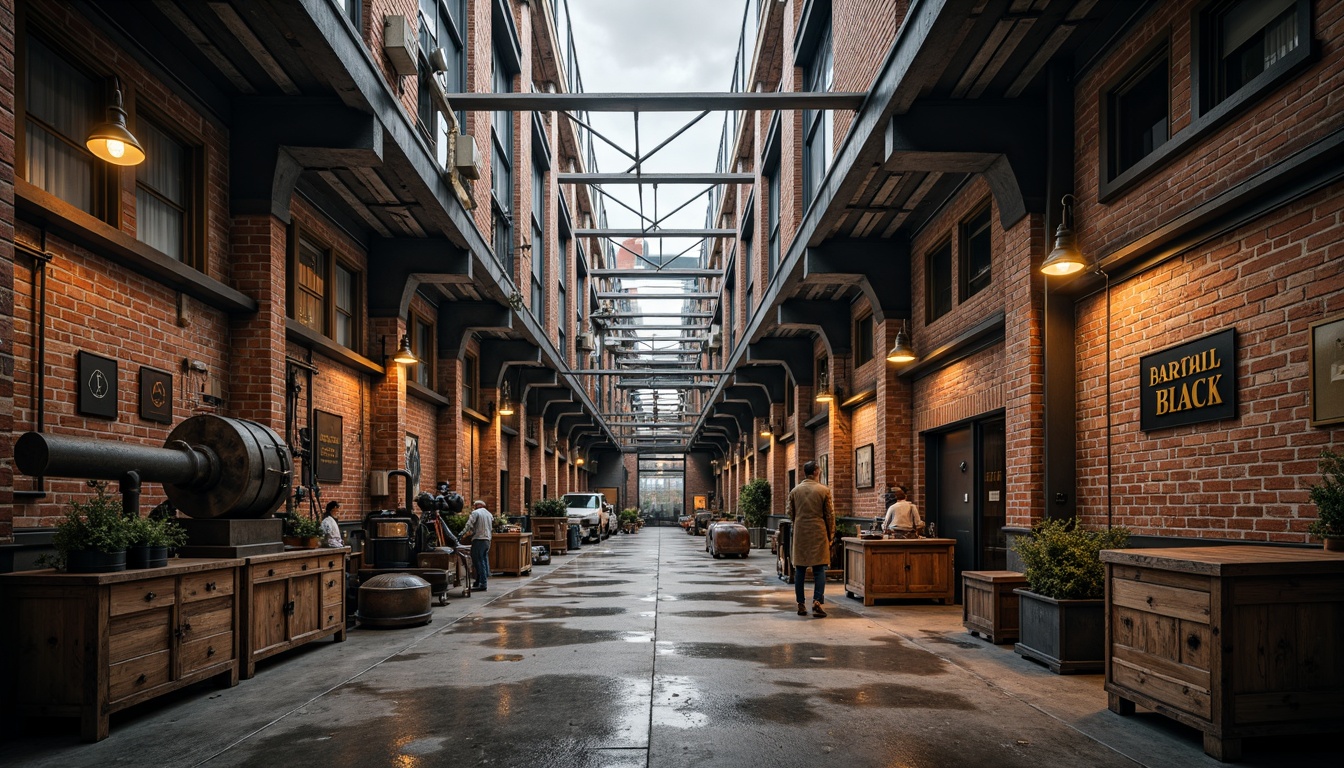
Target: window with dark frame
938 281
1241 39
323 291
772 209
562 299
790 395
974 271
422 346
440 27
819 124
538 251
1139 113
863 339
501 169
61 103
470 384
747 267
162 193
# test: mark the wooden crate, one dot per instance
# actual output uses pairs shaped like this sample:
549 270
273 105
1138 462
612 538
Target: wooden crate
553 532
88 645
989 605
510 554
1235 641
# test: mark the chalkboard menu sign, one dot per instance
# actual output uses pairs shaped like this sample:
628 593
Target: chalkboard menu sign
328 447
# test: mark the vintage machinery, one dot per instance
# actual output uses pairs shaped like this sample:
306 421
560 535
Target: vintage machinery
727 538
394 600
210 467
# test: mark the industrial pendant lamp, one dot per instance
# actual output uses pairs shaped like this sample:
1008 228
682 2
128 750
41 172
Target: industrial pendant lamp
506 402
824 393
902 351
404 354
1065 259
112 141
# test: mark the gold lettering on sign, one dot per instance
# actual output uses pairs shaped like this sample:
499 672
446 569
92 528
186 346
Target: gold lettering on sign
1190 365
1200 393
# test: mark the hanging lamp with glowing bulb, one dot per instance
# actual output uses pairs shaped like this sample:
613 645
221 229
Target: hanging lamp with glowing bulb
506 402
404 354
112 141
824 393
1065 259
902 351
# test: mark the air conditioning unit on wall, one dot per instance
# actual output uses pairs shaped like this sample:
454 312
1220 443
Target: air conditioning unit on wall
400 44
466 159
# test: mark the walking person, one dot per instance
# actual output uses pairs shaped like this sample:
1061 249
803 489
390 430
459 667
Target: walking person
812 511
903 518
478 527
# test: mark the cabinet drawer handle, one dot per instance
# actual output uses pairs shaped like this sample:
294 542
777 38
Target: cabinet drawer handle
331 563
210 651
210 586
141 679
149 596
304 567
270 572
331 583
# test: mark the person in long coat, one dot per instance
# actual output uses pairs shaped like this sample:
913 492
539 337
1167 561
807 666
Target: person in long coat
812 510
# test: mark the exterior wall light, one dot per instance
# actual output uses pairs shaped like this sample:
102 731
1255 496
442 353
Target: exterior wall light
902 351
1065 259
404 354
824 392
112 141
506 402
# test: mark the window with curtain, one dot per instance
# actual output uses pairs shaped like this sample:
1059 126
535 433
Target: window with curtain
346 300
61 104
1244 38
819 124
161 191
324 293
310 286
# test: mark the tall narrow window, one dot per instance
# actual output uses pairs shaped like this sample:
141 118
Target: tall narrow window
975 254
747 267
773 223
61 104
501 169
562 298
1139 114
346 300
469 382
818 124
538 252
310 288
440 28
422 344
938 281
863 340
1241 39
161 192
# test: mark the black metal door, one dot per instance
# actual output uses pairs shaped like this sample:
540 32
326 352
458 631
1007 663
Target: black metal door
993 546
954 490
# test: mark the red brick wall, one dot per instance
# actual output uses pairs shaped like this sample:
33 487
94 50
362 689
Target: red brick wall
342 391
1244 478
7 138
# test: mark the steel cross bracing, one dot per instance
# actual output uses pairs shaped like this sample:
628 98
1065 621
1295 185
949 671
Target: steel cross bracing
653 341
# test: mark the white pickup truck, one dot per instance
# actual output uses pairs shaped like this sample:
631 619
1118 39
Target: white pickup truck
589 510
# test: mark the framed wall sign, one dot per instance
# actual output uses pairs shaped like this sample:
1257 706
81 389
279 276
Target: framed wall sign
863 466
156 395
330 466
1190 383
701 502
1327 372
97 385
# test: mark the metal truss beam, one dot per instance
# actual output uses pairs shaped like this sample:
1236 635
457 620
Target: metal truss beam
655 233
657 178
645 274
654 102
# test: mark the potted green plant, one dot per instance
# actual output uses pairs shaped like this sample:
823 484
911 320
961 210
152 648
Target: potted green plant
1062 613
150 539
302 531
630 520
550 524
1328 496
753 502
92 537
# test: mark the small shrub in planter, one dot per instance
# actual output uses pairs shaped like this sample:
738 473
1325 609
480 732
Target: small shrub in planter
150 540
303 531
549 508
1328 497
630 519
93 536
1062 614
754 502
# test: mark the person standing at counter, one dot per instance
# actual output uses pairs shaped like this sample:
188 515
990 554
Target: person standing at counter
330 528
478 527
902 518
811 509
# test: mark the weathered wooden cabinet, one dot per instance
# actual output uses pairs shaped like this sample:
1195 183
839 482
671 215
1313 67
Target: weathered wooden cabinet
1235 641
291 598
882 568
88 645
510 553
553 532
989 606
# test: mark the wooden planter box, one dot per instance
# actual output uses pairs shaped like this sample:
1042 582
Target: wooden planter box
1068 636
989 606
510 554
1234 641
551 531
85 646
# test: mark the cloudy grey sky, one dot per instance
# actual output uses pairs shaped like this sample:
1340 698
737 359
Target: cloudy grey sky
646 46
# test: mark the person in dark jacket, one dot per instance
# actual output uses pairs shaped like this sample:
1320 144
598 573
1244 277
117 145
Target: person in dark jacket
812 510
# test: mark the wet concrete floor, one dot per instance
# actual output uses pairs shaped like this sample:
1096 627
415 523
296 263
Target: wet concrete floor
645 651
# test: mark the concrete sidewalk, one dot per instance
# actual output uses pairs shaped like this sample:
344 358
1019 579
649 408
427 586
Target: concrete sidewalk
644 651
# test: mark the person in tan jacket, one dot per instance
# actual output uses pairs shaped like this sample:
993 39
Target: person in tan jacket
812 511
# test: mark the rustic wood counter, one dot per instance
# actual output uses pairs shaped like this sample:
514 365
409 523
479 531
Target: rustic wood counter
87 645
1235 641
291 598
881 568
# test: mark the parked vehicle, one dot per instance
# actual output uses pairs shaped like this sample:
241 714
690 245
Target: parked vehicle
687 523
727 538
589 510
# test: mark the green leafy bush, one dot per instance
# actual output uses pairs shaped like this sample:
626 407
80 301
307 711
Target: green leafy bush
456 522
302 526
1063 562
1328 497
754 502
95 525
549 508
629 515
156 532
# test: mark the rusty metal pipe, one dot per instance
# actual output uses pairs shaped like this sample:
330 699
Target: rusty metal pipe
38 453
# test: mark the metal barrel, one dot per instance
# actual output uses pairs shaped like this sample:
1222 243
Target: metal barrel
38 453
